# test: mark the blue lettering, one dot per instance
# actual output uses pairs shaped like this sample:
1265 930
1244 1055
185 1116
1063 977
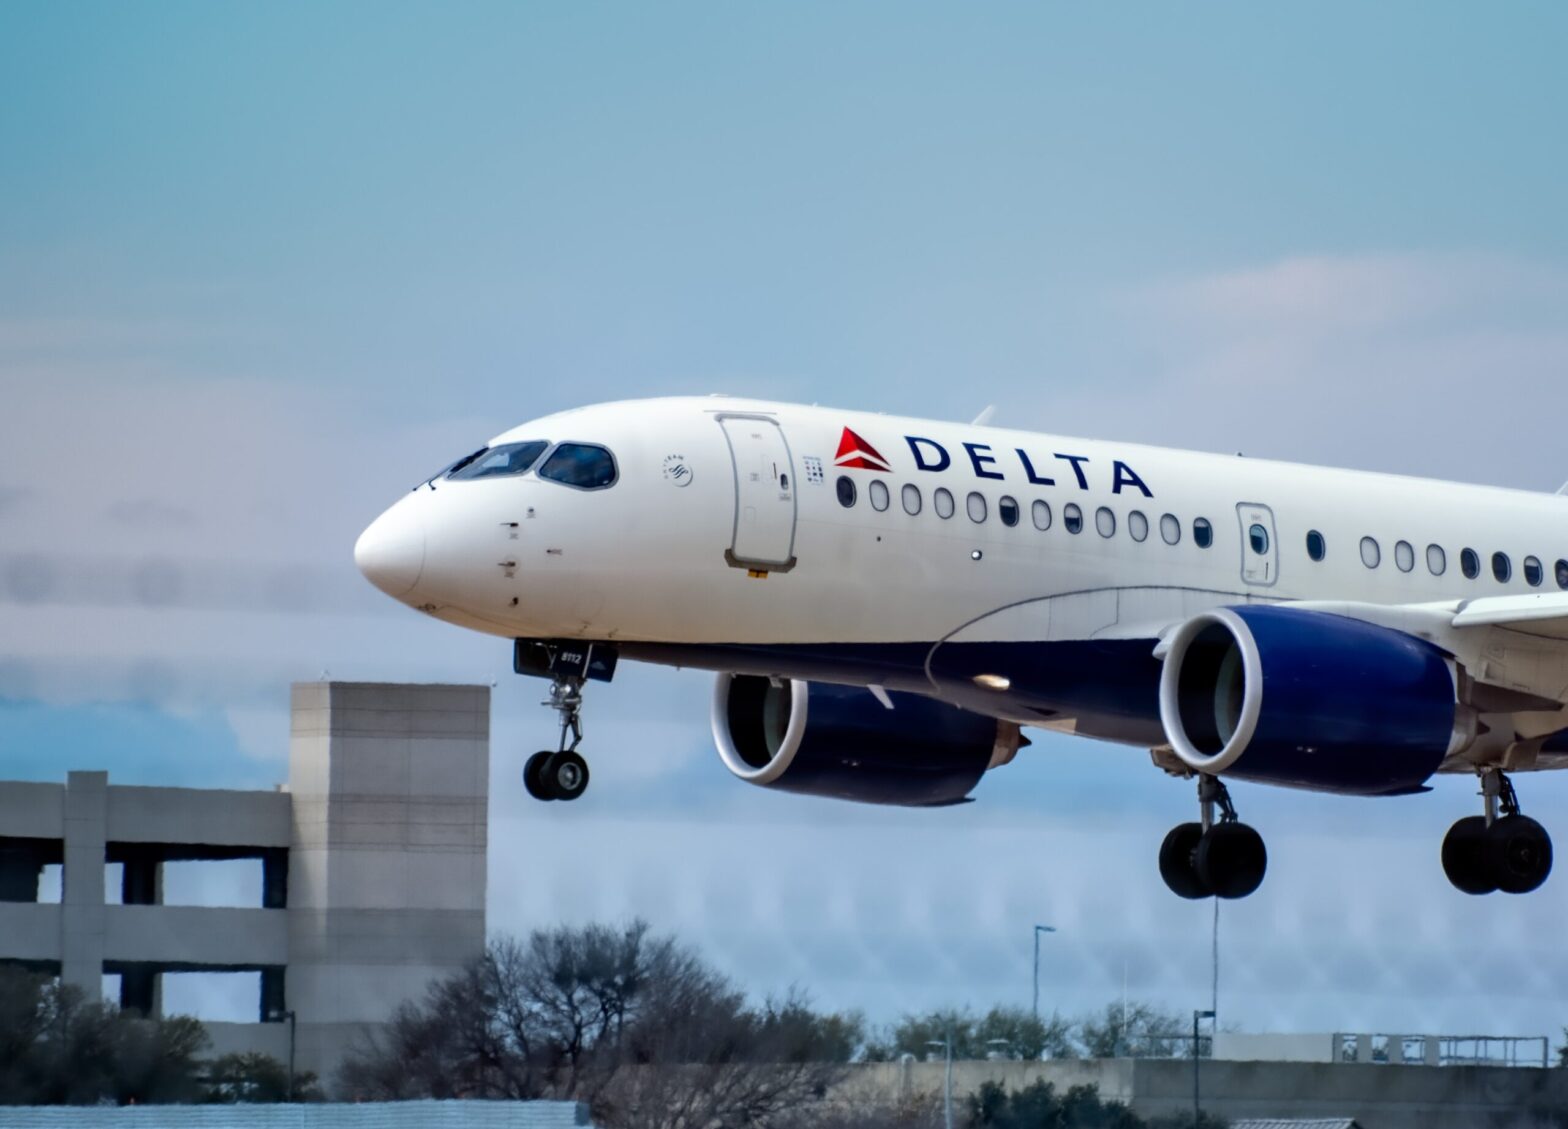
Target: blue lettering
976 459
1029 473
1126 476
1077 461
944 461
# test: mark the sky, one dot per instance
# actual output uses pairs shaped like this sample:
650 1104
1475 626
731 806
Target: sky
264 267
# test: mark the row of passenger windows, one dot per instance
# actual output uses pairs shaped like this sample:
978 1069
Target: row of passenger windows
1010 513
1437 561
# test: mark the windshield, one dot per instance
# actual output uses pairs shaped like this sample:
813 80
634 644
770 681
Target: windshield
492 462
580 464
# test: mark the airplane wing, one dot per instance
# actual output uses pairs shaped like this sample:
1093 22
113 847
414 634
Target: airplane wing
1541 614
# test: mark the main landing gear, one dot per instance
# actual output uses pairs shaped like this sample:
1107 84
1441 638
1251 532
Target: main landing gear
563 774
1223 859
1500 850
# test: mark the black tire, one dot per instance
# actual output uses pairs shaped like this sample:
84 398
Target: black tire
1518 852
1232 860
1465 858
567 776
533 776
1177 861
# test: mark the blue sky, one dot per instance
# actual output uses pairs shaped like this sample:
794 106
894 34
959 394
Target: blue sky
261 267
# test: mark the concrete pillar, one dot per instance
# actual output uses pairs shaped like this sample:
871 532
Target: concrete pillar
20 868
274 997
275 879
141 880
141 989
82 908
386 870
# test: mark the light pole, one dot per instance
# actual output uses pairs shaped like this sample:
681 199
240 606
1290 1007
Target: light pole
289 1015
947 1086
1038 929
1196 1015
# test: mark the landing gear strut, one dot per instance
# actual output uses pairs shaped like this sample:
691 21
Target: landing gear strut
1500 850
1222 859
563 774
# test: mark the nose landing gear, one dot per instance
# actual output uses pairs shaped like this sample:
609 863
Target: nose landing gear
1500 850
1224 859
563 774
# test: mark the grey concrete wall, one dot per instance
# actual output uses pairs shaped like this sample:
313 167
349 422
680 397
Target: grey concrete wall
1377 1096
1274 1047
390 789
29 931
197 935
213 816
33 811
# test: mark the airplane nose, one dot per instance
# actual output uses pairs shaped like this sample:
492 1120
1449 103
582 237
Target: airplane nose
391 551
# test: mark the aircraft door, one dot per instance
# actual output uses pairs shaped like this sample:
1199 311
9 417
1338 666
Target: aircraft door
764 532
1259 545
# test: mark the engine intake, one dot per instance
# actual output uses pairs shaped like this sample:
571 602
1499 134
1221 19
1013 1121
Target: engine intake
1309 700
820 739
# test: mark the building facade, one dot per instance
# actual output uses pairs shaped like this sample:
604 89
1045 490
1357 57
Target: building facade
372 859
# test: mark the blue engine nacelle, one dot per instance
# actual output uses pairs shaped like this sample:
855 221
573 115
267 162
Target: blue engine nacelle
1310 700
820 739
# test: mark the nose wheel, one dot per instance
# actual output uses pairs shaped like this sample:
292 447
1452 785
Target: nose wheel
1500 849
1221 858
563 774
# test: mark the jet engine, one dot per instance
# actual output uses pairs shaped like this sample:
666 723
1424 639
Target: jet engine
1310 700
819 739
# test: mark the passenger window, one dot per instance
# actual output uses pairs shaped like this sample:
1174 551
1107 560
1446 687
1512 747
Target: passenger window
1533 573
508 458
1105 522
911 496
878 494
1502 568
942 502
1317 548
583 465
1202 533
1138 525
1007 510
1371 554
1040 512
1404 556
846 491
1562 575
1470 563
974 506
1258 538
1170 529
1072 517
1436 560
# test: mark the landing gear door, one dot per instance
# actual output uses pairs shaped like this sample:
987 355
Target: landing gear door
763 539
1259 545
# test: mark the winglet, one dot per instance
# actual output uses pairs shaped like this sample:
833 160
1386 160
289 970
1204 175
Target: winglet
990 410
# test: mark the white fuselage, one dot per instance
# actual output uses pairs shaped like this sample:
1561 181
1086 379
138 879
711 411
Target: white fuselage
723 552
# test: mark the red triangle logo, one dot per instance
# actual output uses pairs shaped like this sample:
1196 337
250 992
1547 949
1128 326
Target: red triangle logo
856 454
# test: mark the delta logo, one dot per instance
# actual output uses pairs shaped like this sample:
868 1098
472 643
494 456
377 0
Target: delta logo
855 453
931 457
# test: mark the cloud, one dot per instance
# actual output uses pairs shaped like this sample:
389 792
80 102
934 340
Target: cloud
1445 365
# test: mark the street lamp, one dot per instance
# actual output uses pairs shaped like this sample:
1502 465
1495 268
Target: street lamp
1196 1015
1038 929
947 1087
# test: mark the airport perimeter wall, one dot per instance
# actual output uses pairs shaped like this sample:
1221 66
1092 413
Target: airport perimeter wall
368 1115
1378 1096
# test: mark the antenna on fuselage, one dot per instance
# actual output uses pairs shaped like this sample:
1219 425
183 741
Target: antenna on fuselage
984 417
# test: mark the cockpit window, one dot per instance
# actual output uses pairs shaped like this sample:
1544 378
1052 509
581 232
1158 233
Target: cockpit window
580 464
493 462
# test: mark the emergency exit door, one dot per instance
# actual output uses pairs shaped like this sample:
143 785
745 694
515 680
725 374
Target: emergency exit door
1259 545
764 533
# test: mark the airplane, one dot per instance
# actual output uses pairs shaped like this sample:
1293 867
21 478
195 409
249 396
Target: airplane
889 602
